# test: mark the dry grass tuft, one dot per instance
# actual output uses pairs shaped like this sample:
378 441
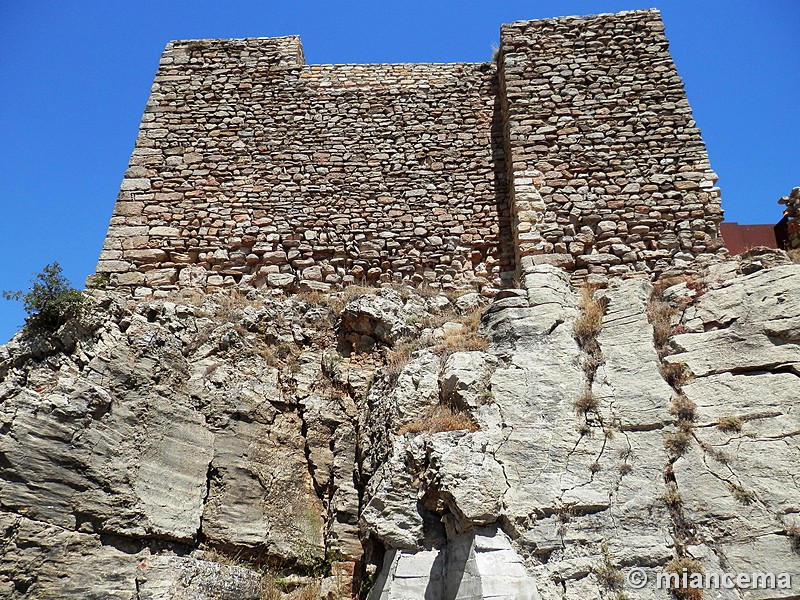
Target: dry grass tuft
672 497
793 531
273 587
458 339
586 402
440 418
675 374
464 339
228 305
461 341
314 297
715 454
590 365
677 442
742 494
589 321
221 558
397 358
351 292
335 300
680 566
660 314
607 573
278 353
684 409
730 424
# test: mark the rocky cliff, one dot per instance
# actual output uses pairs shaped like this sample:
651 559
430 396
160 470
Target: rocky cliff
404 444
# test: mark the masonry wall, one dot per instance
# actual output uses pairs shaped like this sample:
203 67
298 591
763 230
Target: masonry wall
608 171
252 167
792 215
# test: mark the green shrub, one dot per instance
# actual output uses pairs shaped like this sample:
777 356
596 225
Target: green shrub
50 302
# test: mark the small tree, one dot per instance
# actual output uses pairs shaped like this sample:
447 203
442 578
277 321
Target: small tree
51 301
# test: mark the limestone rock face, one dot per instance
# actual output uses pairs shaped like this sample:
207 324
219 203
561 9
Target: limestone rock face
232 447
475 565
740 481
166 429
586 498
370 319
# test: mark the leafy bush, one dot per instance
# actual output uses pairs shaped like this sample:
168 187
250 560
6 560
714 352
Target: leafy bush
50 302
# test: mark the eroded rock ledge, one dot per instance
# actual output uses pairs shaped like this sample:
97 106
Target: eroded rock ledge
405 445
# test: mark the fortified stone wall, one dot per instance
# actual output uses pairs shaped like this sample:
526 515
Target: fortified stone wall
250 167
254 168
608 171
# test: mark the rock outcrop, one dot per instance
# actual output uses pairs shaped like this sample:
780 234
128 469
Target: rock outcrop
373 442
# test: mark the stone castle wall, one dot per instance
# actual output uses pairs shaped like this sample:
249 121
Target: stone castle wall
252 167
608 171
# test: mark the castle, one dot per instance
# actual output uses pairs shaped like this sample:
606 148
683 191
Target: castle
575 146
565 441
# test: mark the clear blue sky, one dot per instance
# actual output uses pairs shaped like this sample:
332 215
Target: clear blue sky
75 77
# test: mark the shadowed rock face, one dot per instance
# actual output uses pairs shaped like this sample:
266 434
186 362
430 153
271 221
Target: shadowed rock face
176 449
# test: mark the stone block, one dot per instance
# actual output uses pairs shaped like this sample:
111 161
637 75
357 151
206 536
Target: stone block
113 266
130 278
160 277
280 280
140 184
164 231
146 255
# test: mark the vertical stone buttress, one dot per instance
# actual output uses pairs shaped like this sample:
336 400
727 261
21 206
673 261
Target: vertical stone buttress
607 170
